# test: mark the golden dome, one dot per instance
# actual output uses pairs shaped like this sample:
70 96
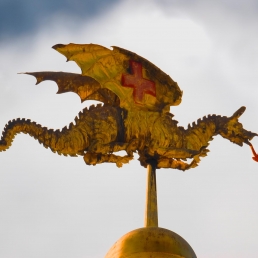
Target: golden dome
151 242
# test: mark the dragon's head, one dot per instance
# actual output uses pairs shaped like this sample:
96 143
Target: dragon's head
231 129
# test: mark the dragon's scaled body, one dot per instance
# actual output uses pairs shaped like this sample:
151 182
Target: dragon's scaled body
134 117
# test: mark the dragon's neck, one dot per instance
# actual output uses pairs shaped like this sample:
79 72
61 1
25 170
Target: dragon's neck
163 131
199 134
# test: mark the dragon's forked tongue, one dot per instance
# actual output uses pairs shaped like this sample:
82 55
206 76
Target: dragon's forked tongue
255 157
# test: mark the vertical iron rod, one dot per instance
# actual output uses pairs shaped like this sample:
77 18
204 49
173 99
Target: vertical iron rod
151 208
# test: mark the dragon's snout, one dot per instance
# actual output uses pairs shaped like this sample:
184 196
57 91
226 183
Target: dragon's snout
249 136
233 130
243 136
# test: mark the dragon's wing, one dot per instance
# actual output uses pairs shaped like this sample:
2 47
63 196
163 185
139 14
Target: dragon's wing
117 77
86 87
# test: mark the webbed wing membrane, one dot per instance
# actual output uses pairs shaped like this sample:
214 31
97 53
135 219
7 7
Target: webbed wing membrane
117 77
108 68
86 87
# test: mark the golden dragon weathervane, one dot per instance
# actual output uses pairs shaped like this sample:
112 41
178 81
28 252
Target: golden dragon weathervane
135 116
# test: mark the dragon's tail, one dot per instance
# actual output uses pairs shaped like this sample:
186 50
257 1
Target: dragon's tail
54 139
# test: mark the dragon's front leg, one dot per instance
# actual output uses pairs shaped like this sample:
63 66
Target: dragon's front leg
92 158
98 153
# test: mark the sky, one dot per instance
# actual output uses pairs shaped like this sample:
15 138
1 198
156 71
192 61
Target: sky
56 206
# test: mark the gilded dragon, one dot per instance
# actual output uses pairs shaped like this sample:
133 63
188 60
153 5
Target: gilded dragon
134 117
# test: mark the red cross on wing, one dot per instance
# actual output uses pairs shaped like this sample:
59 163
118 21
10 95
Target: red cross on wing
140 85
